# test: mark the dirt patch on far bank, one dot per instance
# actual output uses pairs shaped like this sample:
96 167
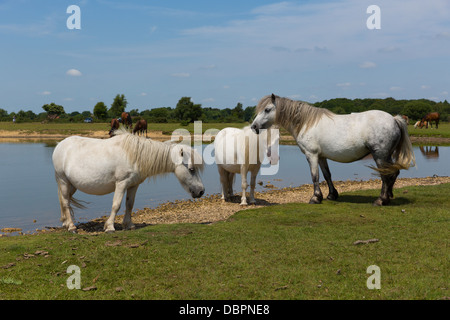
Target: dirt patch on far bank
14 136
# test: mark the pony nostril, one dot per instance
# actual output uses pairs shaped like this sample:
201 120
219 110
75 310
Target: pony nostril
202 192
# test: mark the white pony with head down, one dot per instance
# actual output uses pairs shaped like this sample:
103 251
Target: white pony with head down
241 151
119 165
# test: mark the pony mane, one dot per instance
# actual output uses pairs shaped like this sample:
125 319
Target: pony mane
294 115
150 156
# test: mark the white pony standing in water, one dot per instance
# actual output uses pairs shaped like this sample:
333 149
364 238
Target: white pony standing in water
119 164
240 151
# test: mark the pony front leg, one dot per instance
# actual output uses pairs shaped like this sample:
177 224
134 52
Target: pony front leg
244 185
131 194
252 187
332 194
313 164
117 201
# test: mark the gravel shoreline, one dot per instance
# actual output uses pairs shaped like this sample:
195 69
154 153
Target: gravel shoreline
211 208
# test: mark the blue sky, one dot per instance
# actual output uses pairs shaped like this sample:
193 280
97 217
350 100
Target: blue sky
220 52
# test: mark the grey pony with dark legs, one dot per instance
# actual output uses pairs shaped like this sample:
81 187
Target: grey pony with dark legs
323 135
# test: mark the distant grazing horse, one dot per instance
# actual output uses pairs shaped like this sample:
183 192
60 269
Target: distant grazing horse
240 151
126 120
323 135
140 127
119 165
433 116
419 124
114 126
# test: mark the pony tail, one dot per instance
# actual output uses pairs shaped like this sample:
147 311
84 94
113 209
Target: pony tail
72 201
403 156
404 153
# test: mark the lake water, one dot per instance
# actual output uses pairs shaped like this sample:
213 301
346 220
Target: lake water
29 198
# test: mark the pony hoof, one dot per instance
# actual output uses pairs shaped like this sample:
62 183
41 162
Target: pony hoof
379 202
333 196
315 200
243 204
129 227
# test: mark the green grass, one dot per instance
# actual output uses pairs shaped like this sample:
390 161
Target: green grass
80 128
293 251
443 131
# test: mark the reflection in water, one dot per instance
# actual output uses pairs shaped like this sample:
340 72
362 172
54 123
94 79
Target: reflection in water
430 152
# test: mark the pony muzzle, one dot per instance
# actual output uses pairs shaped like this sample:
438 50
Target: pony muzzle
255 128
197 193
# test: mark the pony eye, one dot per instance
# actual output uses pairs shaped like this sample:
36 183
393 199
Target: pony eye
267 110
192 170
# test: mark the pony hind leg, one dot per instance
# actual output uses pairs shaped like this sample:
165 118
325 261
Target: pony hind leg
65 193
230 183
333 193
387 184
224 181
127 224
390 183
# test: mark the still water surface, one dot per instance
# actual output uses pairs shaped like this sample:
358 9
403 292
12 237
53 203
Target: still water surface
28 189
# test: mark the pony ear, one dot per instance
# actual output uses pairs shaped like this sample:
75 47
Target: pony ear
273 98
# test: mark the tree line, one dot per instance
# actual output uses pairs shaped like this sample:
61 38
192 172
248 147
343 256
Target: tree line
187 111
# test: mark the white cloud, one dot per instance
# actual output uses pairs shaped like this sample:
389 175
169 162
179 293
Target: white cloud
45 93
143 94
73 73
344 84
394 88
424 87
367 65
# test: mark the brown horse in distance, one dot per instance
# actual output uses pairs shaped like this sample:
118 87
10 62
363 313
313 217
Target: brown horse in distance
433 116
114 126
140 127
126 120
